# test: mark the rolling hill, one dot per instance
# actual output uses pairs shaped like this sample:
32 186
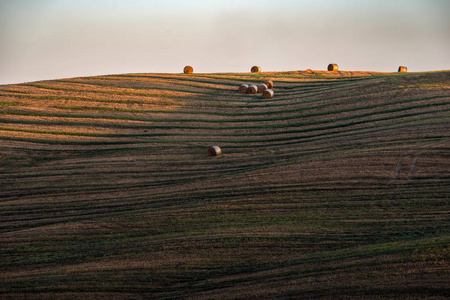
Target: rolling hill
338 186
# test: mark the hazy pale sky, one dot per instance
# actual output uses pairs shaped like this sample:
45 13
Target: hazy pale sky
50 39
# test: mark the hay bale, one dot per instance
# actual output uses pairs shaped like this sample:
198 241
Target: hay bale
252 89
188 70
402 69
214 151
333 67
243 88
267 94
262 87
256 69
269 83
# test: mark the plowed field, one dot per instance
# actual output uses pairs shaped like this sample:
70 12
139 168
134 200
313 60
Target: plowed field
339 186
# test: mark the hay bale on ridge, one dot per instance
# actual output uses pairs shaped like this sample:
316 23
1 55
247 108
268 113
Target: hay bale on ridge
402 69
262 87
333 67
188 70
267 94
252 89
256 69
214 151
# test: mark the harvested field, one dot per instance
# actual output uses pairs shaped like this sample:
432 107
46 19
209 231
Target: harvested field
336 187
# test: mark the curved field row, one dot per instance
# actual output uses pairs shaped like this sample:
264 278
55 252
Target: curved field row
338 186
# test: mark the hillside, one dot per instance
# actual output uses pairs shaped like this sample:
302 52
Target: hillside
336 187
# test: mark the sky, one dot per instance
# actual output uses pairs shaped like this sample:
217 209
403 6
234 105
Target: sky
53 39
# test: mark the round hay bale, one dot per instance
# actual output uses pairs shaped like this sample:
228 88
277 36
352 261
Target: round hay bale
256 69
214 151
269 83
188 70
252 89
262 87
402 69
243 88
267 94
333 67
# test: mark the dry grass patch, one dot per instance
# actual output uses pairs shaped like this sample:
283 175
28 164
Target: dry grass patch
34 136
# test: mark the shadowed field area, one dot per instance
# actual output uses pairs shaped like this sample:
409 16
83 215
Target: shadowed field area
338 186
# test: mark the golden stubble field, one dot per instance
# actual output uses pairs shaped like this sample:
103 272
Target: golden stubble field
336 187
